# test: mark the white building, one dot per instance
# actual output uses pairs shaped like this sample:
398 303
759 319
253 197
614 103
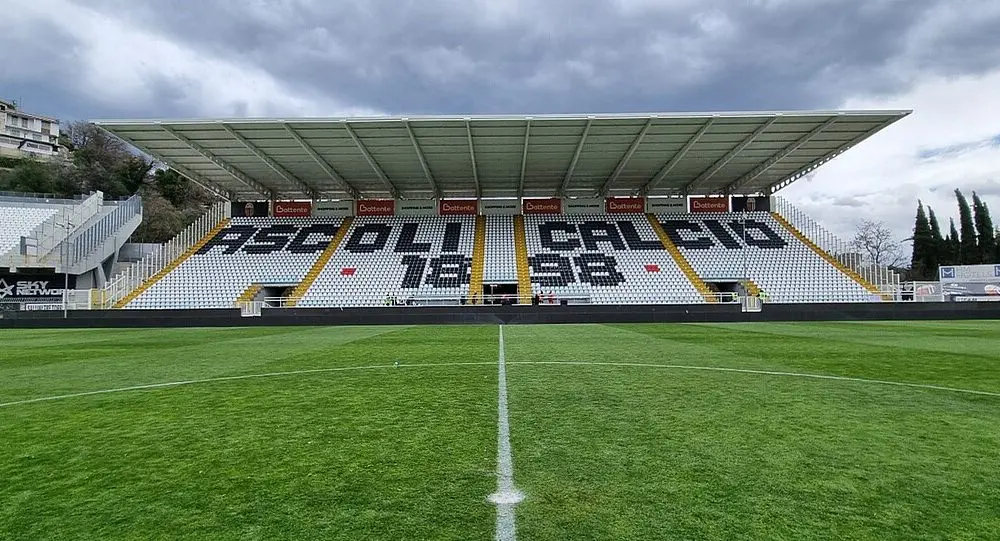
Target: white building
25 134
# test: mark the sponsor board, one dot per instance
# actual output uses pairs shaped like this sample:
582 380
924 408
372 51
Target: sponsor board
334 208
375 207
970 273
500 207
625 205
292 209
33 286
552 205
249 209
760 203
583 206
416 207
666 205
709 204
971 289
458 207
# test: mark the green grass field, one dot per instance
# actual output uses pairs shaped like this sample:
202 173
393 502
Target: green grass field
695 432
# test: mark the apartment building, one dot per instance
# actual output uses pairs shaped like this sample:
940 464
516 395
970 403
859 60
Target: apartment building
25 134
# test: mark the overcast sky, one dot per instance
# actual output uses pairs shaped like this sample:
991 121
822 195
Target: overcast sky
89 59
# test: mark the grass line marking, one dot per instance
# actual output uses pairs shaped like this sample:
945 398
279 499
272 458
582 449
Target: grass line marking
506 496
768 373
232 378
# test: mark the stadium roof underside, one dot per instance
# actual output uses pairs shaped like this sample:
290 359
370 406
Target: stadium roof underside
422 157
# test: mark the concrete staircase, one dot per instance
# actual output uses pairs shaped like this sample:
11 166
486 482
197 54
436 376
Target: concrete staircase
478 260
521 251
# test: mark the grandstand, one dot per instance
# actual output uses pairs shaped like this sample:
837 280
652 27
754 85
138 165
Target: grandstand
599 209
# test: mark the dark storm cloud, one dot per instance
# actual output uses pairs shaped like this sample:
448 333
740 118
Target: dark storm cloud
578 55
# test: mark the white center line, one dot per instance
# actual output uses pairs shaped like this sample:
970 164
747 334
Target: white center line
506 496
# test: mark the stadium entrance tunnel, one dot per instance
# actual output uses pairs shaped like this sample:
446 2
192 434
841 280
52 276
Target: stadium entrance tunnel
728 290
500 293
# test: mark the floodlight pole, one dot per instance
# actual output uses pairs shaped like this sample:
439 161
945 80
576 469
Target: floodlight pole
746 277
65 257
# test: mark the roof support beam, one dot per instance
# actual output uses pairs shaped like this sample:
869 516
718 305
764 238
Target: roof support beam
524 157
371 161
813 165
472 156
326 167
232 171
206 184
628 156
423 160
711 171
676 158
277 168
576 157
784 153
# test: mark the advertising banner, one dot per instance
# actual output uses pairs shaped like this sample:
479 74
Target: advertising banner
709 204
249 209
458 207
334 208
666 205
375 207
625 205
500 207
552 205
583 206
33 287
416 207
970 273
971 289
292 209
752 204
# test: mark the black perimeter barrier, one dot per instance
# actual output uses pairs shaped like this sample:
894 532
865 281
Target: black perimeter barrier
509 315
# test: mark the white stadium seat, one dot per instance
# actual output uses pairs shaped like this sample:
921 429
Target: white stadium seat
18 220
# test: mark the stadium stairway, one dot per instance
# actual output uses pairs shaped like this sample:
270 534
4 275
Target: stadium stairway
829 258
681 261
524 288
478 259
248 295
172 265
320 264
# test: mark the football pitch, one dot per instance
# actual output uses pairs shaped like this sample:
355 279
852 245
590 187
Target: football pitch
885 430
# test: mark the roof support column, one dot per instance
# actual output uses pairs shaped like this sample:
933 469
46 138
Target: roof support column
524 158
472 156
423 160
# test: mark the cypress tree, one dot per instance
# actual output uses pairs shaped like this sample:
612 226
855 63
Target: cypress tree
969 249
923 244
984 225
940 250
954 245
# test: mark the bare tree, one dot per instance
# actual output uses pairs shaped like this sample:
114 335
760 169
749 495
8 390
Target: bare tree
878 245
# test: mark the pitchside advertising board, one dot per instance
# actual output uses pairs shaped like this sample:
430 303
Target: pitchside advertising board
971 282
20 287
587 252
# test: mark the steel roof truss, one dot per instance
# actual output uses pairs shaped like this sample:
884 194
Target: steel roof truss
524 157
711 171
576 157
275 166
232 171
326 167
472 156
772 161
628 156
676 158
371 161
423 160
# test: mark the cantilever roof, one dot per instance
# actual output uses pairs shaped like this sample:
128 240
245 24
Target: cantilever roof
420 157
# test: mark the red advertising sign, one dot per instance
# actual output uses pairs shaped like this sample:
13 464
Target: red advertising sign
709 204
376 207
625 205
553 205
292 209
454 207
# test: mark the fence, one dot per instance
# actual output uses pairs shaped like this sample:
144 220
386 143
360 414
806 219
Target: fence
123 283
81 244
43 246
885 279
